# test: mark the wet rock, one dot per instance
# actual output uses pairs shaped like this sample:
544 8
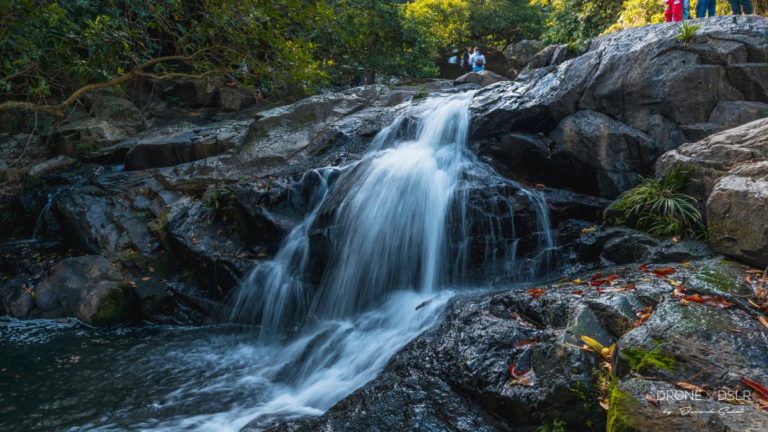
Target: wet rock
186 145
89 288
207 246
103 220
50 166
616 246
460 375
115 154
483 79
118 111
551 55
235 98
736 211
86 134
16 296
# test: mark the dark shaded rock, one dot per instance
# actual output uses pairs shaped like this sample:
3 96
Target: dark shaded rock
115 154
85 134
730 114
483 79
519 54
50 166
617 154
186 145
564 205
193 92
736 214
207 246
617 246
89 288
234 98
16 296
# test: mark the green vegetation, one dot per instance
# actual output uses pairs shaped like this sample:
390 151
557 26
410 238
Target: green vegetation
687 32
658 207
621 408
557 425
54 53
642 361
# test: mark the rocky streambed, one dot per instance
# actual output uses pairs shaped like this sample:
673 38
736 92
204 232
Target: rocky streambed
152 216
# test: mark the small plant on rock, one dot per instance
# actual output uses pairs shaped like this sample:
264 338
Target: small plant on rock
659 207
687 32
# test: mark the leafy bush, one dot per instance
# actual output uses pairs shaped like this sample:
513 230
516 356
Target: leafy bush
687 32
658 207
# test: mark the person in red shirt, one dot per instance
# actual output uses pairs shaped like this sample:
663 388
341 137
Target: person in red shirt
674 10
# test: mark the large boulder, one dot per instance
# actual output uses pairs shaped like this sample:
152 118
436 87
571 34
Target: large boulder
711 158
519 54
514 360
89 288
617 153
736 214
186 145
646 82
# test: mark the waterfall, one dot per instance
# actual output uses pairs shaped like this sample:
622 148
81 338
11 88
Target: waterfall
394 236
397 220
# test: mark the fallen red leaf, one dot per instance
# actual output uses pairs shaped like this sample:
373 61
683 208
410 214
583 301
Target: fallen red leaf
664 271
577 292
597 282
690 387
611 278
630 287
525 342
516 373
756 386
717 301
536 292
643 268
597 276
694 298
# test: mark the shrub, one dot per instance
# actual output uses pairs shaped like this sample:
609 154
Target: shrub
687 32
658 207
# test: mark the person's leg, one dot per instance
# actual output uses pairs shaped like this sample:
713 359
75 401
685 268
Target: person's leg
668 14
735 7
747 5
677 12
701 8
712 6
686 9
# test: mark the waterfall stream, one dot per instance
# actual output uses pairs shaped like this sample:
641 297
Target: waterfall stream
395 235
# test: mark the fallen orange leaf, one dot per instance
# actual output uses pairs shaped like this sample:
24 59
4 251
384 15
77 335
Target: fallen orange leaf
763 320
690 387
664 271
756 386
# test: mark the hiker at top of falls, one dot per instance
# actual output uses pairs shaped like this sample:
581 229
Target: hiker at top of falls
741 6
705 7
477 61
674 10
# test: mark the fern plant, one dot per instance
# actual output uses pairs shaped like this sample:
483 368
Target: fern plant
687 32
659 207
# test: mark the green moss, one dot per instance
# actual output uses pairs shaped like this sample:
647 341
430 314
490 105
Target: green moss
622 408
717 279
113 309
557 425
641 360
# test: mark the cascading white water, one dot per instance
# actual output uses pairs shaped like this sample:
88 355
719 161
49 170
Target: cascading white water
399 233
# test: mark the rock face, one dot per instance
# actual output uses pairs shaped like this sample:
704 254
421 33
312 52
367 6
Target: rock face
89 288
519 54
637 83
512 361
736 214
729 179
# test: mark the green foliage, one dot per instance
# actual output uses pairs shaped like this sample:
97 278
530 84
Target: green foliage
622 408
576 20
658 207
637 13
454 24
557 425
687 32
641 360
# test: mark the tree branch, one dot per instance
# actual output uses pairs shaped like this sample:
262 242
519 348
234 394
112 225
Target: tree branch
58 110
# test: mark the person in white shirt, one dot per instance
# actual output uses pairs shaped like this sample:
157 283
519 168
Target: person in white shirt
477 60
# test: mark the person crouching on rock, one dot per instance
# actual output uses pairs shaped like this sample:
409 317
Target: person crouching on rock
477 60
674 11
